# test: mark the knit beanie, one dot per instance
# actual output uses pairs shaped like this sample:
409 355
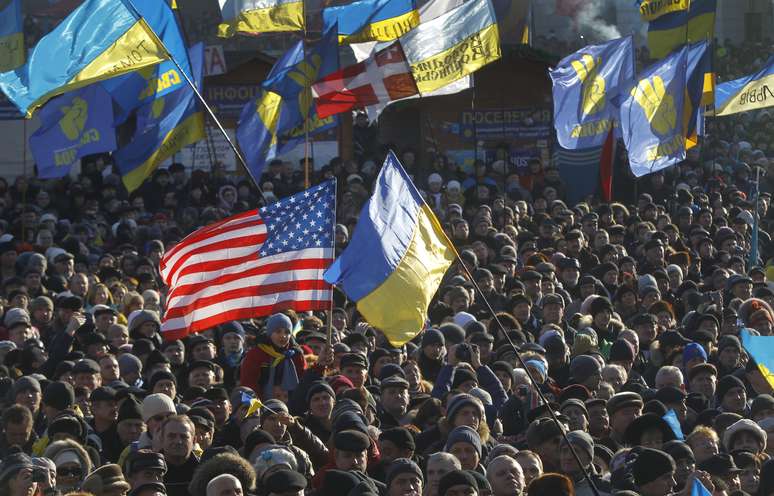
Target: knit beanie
402 466
155 404
582 367
460 401
318 387
726 384
621 351
456 478
729 341
581 440
463 434
12 463
433 336
25 383
600 304
461 376
650 465
278 321
59 395
130 409
400 437
128 363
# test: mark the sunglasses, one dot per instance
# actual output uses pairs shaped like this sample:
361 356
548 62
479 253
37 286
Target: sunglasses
69 472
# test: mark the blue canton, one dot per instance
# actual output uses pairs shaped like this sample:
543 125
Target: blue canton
304 220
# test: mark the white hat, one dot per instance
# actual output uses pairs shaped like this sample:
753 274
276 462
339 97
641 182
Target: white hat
155 404
435 178
16 316
463 318
454 186
744 425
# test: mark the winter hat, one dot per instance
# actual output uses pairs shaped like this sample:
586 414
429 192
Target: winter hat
128 363
59 395
106 478
621 351
319 387
400 437
460 401
582 440
130 409
650 465
155 404
456 478
25 383
463 434
582 367
433 336
461 376
12 463
402 466
600 304
744 425
278 321
726 384
694 350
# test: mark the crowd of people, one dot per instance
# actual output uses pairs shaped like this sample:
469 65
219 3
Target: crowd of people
595 350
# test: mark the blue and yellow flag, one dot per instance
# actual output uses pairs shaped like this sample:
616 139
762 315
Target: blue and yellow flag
452 45
760 349
755 91
700 87
164 126
278 120
260 16
136 88
652 116
12 49
73 125
585 85
650 10
396 258
372 20
670 31
98 40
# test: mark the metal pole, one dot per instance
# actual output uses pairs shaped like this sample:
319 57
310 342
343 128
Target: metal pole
329 333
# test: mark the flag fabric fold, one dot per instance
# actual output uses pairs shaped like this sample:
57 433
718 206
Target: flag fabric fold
252 264
164 126
670 31
98 40
12 50
277 121
585 85
650 10
73 125
699 88
132 90
652 116
378 80
371 20
760 349
755 91
452 45
260 16
396 258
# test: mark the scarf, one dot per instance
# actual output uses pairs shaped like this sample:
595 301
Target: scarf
289 375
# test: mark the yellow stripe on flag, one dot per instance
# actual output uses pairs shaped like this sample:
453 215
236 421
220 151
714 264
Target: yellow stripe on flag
456 62
653 9
187 133
386 30
278 18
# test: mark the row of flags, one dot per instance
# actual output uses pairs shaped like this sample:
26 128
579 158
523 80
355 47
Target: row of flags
673 23
106 62
306 89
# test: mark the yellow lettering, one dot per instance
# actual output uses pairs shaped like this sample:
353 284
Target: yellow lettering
591 129
664 149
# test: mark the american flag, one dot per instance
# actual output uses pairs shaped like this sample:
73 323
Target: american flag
252 264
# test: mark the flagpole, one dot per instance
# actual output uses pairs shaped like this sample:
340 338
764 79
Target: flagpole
472 280
201 99
329 332
308 96
753 260
24 172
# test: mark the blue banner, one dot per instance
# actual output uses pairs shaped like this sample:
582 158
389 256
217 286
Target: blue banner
136 88
652 116
751 92
585 85
12 51
277 121
74 125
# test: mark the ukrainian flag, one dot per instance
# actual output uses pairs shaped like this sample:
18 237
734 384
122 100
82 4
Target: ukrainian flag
760 349
700 81
260 16
453 45
372 20
396 259
98 40
748 93
671 31
164 126
285 112
11 36
650 10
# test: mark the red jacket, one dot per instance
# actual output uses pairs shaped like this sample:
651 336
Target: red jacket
256 362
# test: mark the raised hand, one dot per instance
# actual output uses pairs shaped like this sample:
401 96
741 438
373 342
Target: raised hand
593 92
659 107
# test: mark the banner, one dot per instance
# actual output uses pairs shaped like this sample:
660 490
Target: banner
585 85
260 16
453 45
371 20
652 116
651 10
748 93
12 50
74 125
671 31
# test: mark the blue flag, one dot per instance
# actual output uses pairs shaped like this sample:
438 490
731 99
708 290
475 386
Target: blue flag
698 489
74 125
760 349
585 85
751 92
275 122
672 421
164 126
136 88
652 116
371 20
12 51
98 40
